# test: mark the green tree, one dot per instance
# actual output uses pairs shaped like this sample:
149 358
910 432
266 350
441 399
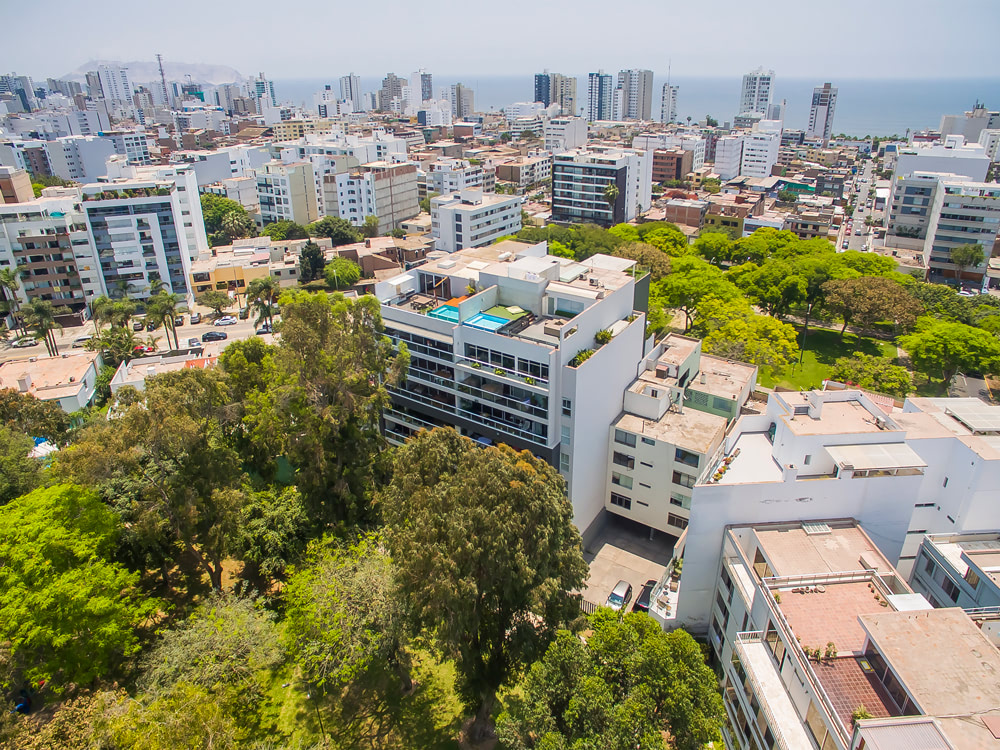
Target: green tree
163 308
270 533
493 604
611 194
216 301
344 613
222 230
711 185
691 281
67 613
733 330
280 231
711 121
342 273
23 413
116 345
235 225
874 373
646 256
628 682
788 196
340 231
40 316
773 286
10 282
943 348
114 312
370 227
425 203
866 300
19 472
311 262
324 399
967 256
715 247
262 294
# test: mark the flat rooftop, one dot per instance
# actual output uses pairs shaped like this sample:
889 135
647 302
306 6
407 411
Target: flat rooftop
944 660
724 377
836 417
754 462
50 377
794 550
693 430
983 550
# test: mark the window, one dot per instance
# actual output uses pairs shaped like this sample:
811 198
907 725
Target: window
621 459
567 407
563 462
929 568
675 520
807 460
648 441
684 480
621 501
972 578
951 589
622 480
625 438
686 457
680 501
565 440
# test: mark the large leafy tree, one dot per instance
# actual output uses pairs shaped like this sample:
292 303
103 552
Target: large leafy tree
773 286
19 471
692 280
270 533
628 682
311 262
874 373
23 413
339 231
942 348
715 247
216 300
285 230
490 554
225 219
165 467
967 256
657 261
344 614
323 401
733 330
66 611
865 300
342 273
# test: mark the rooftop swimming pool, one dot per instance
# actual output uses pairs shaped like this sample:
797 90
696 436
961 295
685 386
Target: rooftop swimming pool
486 322
445 312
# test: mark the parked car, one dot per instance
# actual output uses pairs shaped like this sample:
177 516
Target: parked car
620 596
178 321
81 342
138 325
266 328
845 244
194 344
214 336
24 342
244 313
151 326
226 320
144 349
195 318
645 595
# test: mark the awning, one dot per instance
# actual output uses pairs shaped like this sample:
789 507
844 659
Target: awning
876 456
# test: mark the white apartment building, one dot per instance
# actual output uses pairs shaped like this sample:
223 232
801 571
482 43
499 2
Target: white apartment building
350 90
954 156
989 139
499 363
756 93
533 125
462 101
471 218
600 96
524 109
287 192
668 103
636 99
970 124
728 156
435 113
962 570
580 179
221 164
386 191
132 145
684 141
674 418
243 190
760 152
446 176
565 133
812 626
115 83
79 158
824 102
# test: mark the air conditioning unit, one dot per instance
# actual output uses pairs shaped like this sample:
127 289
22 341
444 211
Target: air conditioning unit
593 281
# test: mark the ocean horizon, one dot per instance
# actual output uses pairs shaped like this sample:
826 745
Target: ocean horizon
864 106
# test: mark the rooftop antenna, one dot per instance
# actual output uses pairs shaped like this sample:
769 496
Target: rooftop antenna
163 81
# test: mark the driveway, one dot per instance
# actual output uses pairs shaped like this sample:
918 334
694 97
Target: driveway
623 551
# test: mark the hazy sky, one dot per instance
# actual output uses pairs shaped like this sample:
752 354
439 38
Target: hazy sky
320 38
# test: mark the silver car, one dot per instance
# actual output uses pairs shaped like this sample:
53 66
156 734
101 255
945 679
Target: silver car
620 596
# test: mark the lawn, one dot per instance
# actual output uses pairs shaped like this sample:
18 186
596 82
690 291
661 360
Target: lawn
823 347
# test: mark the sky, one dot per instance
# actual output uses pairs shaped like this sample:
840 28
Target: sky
317 38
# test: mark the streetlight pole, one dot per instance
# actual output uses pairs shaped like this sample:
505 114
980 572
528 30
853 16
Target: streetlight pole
319 716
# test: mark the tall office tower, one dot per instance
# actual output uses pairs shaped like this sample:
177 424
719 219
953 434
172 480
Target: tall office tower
543 88
426 86
600 94
636 94
462 101
824 102
93 84
777 111
115 84
757 92
261 87
392 88
668 104
350 90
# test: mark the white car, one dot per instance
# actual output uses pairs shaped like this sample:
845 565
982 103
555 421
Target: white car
226 320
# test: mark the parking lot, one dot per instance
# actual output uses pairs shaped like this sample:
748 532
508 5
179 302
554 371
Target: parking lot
624 551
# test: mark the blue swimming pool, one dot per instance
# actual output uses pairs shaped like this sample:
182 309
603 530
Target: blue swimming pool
445 312
486 322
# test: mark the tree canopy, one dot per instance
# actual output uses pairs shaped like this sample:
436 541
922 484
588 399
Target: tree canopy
342 273
878 374
285 230
340 231
943 348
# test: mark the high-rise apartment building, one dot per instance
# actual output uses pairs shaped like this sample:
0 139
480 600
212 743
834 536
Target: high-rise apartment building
472 218
462 101
636 94
543 88
350 90
262 88
115 83
600 96
824 102
554 88
755 96
601 185
760 151
287 192
668 103
386 191
392 88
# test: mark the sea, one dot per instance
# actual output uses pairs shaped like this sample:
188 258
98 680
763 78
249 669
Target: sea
871 106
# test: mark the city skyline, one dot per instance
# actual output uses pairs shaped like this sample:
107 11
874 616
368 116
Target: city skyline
732 51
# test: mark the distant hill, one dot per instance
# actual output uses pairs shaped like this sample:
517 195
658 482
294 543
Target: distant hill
143 71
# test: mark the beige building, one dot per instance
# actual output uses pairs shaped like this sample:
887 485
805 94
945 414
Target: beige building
287 192
381 189
15 186
69 380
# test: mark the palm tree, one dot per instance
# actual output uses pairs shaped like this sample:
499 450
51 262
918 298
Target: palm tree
100 311
611 196
121 289
40 316
163 309
10 282
262 293
156 285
